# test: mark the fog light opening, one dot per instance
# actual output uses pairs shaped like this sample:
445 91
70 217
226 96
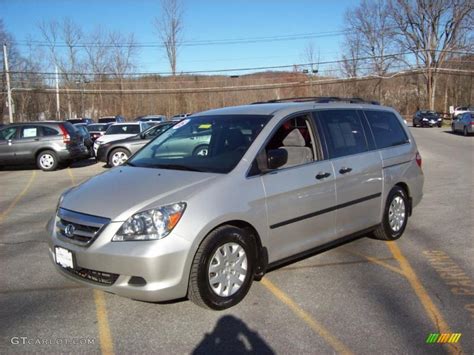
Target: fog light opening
137 281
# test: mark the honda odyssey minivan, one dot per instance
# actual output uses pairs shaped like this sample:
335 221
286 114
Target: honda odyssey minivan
276 181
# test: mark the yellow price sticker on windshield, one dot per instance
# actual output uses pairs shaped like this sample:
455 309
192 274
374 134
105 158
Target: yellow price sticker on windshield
205 126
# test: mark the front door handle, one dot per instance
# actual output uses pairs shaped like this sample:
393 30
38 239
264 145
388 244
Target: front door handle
345 170
321 176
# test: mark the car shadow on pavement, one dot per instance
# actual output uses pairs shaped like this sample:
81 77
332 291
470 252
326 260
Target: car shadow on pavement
457 134
232 336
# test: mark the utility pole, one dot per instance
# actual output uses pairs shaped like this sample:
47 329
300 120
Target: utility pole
58 112
9 91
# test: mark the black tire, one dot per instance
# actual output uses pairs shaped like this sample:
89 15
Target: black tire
47 160
199 290
452 128
440 125
200 148
111 159
414 124
385 231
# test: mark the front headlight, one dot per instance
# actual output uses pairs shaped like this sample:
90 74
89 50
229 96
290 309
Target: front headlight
152 224
425 119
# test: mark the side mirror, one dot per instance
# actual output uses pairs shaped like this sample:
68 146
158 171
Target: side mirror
276 158
142 135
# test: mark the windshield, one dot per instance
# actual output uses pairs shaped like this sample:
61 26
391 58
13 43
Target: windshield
97 127
204 143
123 129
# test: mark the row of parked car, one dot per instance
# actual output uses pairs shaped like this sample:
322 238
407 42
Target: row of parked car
463 122
51 144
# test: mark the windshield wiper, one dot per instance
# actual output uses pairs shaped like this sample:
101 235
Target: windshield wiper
129 163
174 167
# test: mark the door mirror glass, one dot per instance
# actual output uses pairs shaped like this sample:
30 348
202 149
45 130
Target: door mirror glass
276 158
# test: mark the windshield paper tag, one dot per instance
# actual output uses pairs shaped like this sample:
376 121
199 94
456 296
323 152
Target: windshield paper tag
181 124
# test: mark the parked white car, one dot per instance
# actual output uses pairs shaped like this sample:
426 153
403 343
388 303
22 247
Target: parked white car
121 131
456 111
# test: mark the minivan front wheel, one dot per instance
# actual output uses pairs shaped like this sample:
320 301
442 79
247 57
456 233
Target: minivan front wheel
395 216
47 160
223 268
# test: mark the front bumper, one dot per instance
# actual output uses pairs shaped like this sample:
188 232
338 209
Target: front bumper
101 154
162 264
432 123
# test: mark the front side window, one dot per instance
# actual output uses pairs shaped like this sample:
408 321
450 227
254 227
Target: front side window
157 130
343 131
294 136
203 143
386 128
8 133
123 129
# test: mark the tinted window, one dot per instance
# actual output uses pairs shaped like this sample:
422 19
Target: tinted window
69 128
8 133
386 128
29 132
97 127
343 131
124 129
49 131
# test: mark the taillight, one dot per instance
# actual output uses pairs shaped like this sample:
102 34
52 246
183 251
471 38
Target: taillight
66 137
418 159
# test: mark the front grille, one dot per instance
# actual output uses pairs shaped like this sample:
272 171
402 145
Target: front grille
79 228
104 278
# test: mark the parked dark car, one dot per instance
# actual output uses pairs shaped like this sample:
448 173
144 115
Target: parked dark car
117 152
111 119
97 130
48 143
86 137
426 118
464 123
86 121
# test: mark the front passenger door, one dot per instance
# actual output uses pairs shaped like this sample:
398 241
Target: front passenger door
358 170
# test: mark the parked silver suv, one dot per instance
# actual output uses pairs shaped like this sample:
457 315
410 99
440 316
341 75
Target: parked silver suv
277 181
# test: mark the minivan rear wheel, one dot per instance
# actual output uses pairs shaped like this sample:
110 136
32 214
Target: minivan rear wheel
395 216
222 269
47 160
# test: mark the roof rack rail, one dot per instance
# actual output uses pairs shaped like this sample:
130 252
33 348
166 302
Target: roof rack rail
320 100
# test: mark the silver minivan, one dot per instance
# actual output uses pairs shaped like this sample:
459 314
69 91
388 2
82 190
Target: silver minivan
277 181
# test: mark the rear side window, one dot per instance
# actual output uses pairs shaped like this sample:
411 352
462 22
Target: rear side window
47 132
386 128
29 132
343 131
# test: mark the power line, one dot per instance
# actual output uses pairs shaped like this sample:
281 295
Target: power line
206 42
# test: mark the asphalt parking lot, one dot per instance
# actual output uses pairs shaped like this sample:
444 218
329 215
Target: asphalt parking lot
364 297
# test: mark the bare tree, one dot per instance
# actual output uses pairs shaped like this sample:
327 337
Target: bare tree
123 51
369 24
63 39
351 59
169 27
432 30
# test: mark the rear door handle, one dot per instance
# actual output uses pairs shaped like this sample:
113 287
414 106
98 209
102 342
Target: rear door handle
345 170
321 176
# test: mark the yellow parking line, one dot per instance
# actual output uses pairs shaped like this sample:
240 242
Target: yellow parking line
106 344
105 336
377 261
317 327
18 198
71 176
430 308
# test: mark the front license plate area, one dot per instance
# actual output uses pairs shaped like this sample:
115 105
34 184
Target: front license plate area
64 257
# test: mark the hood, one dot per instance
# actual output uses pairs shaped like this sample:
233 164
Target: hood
113 137
123 191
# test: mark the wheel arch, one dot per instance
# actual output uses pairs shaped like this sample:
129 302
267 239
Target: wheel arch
406 189
261 252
